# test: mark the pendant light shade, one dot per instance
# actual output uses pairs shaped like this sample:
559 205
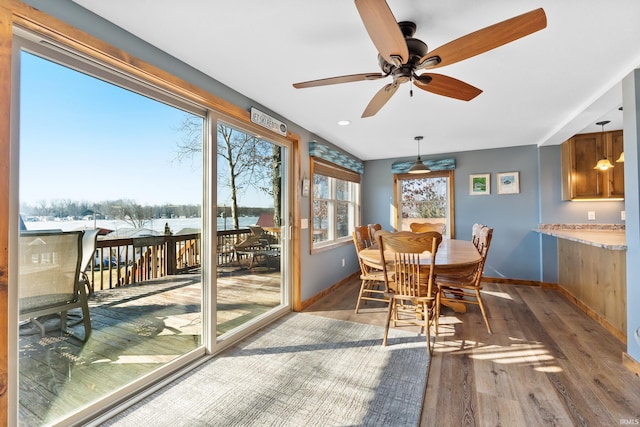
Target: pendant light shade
604 163
621 158
418 166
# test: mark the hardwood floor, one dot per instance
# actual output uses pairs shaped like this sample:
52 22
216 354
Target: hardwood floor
547 363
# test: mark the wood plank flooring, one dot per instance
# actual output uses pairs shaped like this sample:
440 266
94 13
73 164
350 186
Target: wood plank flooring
546 364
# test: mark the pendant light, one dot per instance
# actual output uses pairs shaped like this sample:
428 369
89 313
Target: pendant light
418 166
604 163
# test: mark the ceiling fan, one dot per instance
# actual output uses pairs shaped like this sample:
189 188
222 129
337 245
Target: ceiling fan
401 55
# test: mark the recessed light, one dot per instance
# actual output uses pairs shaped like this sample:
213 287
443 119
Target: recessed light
344 122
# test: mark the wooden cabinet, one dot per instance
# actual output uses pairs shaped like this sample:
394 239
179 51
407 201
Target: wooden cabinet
580 154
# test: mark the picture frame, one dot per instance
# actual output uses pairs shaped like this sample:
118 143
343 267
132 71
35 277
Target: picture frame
508 182
480 184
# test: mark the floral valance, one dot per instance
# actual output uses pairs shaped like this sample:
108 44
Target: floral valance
434 165
336 157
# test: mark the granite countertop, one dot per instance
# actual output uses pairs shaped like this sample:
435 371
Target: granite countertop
604 236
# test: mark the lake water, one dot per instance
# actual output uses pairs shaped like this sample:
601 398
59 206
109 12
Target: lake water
176 224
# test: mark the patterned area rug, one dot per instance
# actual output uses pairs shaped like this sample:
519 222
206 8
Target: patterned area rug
303 370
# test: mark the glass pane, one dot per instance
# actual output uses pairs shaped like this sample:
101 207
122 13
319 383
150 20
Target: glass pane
342 190
107 208
424 200
251 220
320 221
344 219
320 187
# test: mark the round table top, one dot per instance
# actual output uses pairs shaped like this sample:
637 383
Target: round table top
451 253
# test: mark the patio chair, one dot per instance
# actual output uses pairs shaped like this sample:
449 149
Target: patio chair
89 243
49 278
257 243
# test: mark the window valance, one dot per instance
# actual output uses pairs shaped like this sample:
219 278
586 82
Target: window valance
434 165
336 157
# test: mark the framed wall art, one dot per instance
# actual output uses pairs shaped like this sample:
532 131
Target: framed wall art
479 184
509 183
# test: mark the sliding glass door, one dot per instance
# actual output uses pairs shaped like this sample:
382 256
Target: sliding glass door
128 198
111 264
252 228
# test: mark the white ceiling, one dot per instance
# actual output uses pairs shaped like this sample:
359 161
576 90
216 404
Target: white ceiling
541 89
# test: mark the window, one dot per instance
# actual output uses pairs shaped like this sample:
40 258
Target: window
335 203
427 198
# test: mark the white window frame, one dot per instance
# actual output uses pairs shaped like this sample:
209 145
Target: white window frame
334 174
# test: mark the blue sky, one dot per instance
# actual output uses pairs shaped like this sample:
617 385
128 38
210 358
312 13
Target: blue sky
84 139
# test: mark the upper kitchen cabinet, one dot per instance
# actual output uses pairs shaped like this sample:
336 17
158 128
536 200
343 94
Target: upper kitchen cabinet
580 154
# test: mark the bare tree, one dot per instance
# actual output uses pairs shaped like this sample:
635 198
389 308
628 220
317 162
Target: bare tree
247 162
131 212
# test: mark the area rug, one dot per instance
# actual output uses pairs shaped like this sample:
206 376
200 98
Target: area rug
303 370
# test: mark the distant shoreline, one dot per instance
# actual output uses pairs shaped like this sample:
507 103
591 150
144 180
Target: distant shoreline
158 224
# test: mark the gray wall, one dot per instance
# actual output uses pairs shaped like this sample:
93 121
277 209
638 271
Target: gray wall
515 249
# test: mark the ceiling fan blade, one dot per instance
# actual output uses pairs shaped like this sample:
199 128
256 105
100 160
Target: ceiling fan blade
485 39
383 30
379 99
447 86
340 79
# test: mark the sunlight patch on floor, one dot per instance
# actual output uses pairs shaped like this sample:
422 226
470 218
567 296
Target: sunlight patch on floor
496 294
520 352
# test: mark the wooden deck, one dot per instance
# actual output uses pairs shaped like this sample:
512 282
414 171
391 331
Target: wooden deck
547 363
136 329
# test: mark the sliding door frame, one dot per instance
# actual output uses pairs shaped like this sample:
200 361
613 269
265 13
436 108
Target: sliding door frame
13 13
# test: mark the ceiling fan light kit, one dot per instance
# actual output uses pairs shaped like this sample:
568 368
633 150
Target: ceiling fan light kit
400 55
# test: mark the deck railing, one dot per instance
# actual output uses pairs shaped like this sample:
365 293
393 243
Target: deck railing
119 262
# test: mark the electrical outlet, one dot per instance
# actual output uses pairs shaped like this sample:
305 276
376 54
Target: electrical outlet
623 215
343 262
591 215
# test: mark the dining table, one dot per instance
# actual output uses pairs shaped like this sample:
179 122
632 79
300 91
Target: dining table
452 255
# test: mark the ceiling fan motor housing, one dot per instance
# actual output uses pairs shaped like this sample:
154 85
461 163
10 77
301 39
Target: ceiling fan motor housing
417 49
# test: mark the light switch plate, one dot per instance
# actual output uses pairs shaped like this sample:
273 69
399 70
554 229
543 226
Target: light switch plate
591 215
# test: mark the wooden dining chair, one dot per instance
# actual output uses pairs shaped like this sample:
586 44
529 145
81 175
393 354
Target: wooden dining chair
373 283
421 227
373 229
475 234
465 284
412 291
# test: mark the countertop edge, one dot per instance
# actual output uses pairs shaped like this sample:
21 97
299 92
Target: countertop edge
587 237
